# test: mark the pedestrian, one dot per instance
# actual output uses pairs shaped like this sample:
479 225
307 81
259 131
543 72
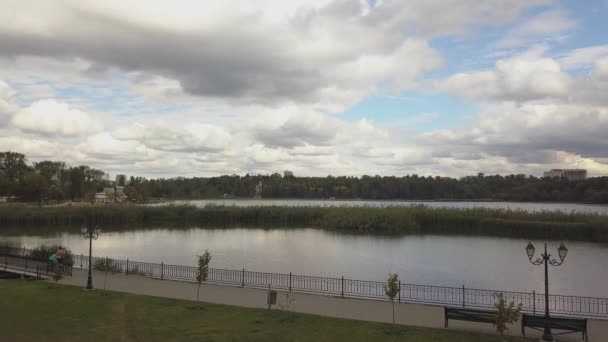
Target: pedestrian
61 253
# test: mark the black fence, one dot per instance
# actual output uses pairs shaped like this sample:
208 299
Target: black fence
24 262
532 302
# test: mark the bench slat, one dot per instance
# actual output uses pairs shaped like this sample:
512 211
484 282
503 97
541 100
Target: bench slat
471 315
571 325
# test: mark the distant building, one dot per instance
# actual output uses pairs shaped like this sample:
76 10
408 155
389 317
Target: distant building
287 174
258 190
570 174
480 175
102 197
111 194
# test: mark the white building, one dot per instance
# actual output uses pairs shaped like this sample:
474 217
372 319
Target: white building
570 174
111 194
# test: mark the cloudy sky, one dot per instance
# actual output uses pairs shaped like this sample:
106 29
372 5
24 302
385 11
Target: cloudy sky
342 87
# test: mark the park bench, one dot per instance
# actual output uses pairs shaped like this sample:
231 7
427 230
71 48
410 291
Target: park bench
569 325
471 315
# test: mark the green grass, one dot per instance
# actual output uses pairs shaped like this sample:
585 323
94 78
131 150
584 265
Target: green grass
367 220
39 311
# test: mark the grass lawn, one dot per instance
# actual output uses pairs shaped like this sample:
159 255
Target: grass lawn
40 311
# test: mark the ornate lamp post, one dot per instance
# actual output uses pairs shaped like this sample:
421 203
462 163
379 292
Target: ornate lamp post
88 232
545 259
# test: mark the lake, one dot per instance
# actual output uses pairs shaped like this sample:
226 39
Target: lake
527 206
476 262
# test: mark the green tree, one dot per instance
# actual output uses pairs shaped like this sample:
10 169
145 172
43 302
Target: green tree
505 313
14 165
202 272
35 187
121 180
4 184
391 289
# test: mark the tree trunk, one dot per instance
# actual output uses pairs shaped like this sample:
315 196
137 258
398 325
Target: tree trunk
392 302
198 290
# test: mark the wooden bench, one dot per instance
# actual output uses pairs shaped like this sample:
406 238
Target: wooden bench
471 315
567 324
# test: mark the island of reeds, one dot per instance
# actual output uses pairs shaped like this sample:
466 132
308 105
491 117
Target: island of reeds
361 220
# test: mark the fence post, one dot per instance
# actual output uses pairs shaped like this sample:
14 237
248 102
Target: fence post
127 269
25 259
463 296
105 277
342 286
81 258
5 261
162 270
289 281
243 278
534 302
37 272
399 291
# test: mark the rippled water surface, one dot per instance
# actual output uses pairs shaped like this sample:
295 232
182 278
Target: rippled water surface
476 262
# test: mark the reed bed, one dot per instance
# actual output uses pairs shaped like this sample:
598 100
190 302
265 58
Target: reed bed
368 220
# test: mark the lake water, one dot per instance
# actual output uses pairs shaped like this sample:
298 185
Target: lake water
527 206
476 262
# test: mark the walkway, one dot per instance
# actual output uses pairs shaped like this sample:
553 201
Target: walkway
360 309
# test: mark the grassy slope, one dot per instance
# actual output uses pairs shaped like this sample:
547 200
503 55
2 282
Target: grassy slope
38 311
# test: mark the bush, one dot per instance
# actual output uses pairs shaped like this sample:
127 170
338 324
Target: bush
107 265
43 253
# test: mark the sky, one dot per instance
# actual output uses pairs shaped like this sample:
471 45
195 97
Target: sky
343 87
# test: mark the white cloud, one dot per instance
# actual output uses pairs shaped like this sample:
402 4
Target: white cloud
32 147
207 88
601 68
545 26
329 54
583 57
55 117
105 146
524 77
6 102
192 137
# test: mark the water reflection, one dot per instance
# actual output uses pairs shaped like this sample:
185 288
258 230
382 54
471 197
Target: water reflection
481 262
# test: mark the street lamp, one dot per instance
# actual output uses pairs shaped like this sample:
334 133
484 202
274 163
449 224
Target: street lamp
88 232
545 259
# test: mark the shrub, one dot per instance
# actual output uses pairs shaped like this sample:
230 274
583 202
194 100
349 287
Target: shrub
43 253
107 265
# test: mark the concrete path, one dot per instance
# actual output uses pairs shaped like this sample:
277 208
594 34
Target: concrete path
360 309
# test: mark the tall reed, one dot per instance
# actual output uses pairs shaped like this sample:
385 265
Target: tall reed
372 220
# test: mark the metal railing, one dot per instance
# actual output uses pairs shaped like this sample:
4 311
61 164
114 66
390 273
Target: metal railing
24 262
532 302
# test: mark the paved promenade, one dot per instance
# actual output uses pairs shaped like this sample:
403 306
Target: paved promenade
360 309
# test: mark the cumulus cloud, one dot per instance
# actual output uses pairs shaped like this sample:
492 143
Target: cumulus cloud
583 57
55 117
105 146
601 68
32 147
544 26
193 137
512 131
524 77
207 88
297 129
231 49
6 102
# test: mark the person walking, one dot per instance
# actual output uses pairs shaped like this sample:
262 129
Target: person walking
61 254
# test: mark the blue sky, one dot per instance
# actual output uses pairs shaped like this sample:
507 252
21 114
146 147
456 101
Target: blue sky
318 87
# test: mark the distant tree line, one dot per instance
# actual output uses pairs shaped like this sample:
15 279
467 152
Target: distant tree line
54 180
